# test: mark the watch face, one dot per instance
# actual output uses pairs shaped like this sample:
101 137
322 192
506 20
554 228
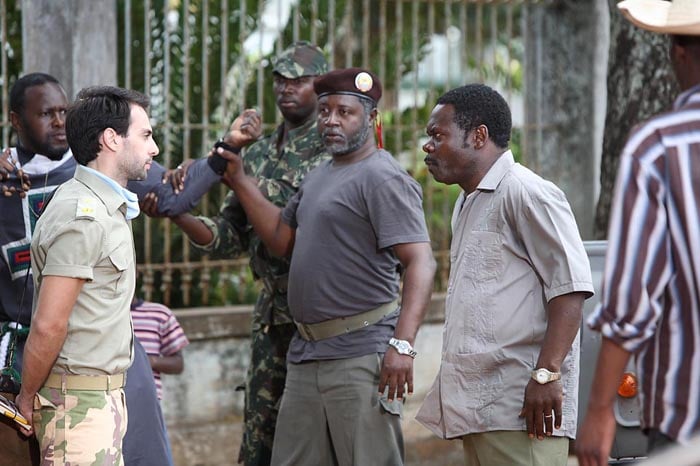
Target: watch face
541 377
402 347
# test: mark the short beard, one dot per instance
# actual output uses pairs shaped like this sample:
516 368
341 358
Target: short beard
138 175
54 153
351 144
43 147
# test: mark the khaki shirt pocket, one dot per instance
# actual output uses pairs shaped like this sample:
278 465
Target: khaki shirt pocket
114 273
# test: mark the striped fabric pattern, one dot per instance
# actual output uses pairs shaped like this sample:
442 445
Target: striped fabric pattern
158 331
650 301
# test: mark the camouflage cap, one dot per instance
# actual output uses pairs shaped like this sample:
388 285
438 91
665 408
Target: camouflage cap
300 59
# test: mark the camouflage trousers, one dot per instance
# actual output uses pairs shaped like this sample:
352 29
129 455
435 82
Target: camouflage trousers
80 427
263 391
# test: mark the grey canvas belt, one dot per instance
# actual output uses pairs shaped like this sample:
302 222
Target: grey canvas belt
334 327
86 382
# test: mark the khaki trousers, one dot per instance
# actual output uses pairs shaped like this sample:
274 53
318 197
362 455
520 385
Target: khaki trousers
331 414
514 448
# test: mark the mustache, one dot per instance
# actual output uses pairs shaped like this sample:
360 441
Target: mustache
327 132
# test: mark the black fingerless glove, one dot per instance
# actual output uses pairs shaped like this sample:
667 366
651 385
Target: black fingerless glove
216 162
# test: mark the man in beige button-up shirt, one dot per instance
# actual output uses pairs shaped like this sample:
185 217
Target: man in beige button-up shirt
81 340
508 381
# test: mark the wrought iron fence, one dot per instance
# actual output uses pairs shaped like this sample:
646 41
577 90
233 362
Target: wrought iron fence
203 61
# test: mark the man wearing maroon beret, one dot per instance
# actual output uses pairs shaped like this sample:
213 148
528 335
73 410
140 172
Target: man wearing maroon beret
355 225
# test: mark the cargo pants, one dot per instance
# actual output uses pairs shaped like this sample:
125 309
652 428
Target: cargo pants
80 427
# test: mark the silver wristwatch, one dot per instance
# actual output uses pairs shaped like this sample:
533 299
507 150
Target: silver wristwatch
403 347
543 376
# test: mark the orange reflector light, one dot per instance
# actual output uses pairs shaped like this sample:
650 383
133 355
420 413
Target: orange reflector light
628 386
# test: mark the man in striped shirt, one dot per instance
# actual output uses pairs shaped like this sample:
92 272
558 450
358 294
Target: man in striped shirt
650 305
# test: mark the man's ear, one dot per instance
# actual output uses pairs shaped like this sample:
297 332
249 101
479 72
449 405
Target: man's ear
16 121
481 136
110 140
373 115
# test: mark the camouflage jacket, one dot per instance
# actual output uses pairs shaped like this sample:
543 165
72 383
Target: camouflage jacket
279 176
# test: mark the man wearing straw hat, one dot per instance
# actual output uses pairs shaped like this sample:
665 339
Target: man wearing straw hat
650 304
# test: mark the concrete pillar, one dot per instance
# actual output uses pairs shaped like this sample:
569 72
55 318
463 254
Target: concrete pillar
73 40
565 94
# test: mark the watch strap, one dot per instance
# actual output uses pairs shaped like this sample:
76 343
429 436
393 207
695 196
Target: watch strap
550 376
403 347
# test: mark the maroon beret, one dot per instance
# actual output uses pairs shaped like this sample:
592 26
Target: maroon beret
351 81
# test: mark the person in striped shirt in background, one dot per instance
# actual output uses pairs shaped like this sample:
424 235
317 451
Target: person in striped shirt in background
156 327
650 304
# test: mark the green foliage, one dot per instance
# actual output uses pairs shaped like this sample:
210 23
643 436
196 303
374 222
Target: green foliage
199 80
516 143
188 56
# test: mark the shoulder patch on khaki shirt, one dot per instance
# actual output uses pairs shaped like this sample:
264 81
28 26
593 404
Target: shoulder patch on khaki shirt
85 208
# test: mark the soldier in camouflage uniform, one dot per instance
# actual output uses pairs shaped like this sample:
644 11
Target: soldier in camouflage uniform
279 162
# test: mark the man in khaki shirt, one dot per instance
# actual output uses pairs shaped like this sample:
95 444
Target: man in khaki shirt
508 380
80 343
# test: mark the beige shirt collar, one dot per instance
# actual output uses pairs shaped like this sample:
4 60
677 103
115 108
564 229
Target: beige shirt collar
111 199
497 171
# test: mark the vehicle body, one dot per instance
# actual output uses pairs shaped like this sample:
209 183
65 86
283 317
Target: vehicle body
630 443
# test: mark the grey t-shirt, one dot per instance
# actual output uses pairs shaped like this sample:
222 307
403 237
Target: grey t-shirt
347 217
